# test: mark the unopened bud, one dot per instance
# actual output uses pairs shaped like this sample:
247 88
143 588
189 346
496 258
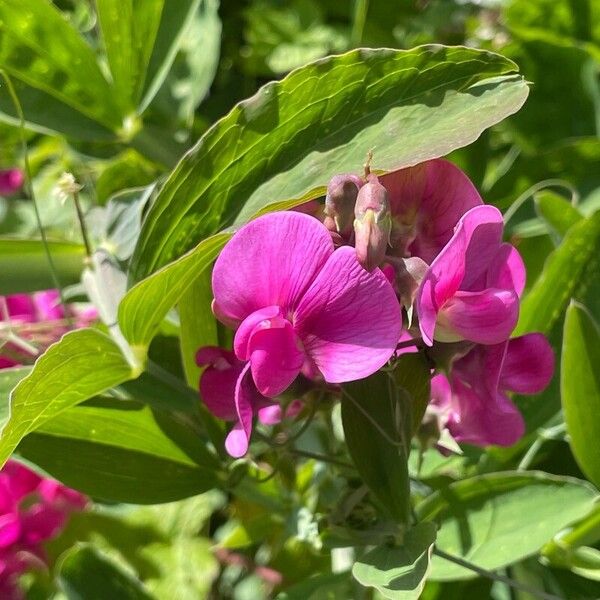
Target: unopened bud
340 200
372 224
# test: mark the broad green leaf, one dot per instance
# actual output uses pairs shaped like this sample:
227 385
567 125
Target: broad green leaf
558 213
564 276
175 21
8 380
25 268
39 47
141 38
373 432
580 388
198 325
399 572
498 519
281 146
122 451
47 114
82 364
413 374
85 573
147 303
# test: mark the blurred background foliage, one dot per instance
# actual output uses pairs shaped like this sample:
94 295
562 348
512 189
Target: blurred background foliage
543 165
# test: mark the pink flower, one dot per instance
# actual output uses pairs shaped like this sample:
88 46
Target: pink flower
426 202
45 311
296 303
471 290
32 511
11 181
473 401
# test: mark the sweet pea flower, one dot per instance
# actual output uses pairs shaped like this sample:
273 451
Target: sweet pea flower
473 400
20 312
471 290
296 304
33 510
11 181
426 202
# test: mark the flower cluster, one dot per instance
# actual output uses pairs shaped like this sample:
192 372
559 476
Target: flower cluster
413 254
11 181
30 323
32 510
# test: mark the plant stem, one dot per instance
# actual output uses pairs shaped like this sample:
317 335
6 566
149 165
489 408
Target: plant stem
361 7
82 225
321 457
29 185
517 585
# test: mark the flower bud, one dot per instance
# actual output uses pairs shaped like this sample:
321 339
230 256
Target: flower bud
372 224
339 202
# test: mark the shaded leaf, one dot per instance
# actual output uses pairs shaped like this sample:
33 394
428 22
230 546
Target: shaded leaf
399 572
580 388
487 520
281 147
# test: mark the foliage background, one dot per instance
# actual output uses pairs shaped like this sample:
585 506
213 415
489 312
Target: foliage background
542 165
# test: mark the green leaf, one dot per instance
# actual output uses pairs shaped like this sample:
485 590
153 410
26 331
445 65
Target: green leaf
198 326
8 380
281 146
413 374
122 451
562 278
147 303
580 388
370 416
175 21
141 38
40 48
24 265
399 572
86 574
82 364
319 587
558 213
498 519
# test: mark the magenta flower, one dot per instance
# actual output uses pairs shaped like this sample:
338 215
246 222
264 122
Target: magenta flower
11 181
38 318
426 202
473 401
32 511
297 304
471 290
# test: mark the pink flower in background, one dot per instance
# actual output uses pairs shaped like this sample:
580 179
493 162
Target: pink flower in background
426 202
471 290
473 400
11 181
33 510
39 318
296 304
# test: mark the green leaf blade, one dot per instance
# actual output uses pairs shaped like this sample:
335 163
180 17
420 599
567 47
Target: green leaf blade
580 388
284 143
82 364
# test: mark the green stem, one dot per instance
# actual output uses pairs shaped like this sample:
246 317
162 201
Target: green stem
29 186
361 7
321 457
517 585
82 225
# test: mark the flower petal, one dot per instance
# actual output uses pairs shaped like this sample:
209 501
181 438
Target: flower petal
349 320
486 317
485 419
434 195
270 261
247 327
528 365
238 439
275 355
507 270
